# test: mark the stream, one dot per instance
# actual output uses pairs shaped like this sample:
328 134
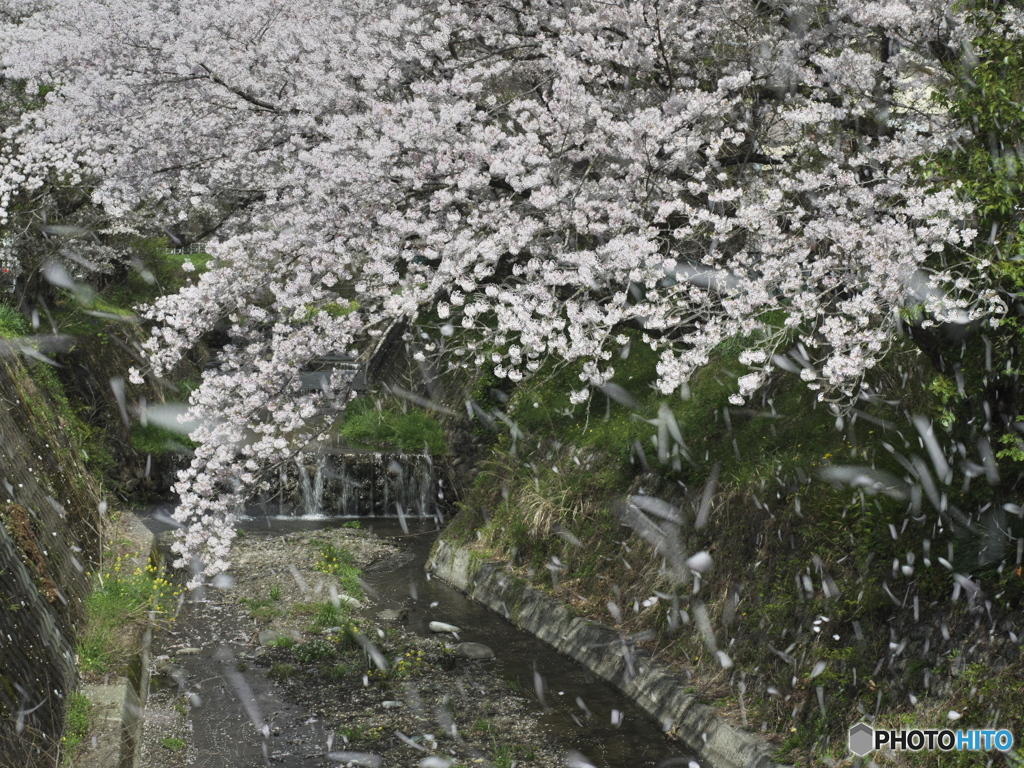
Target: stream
239 716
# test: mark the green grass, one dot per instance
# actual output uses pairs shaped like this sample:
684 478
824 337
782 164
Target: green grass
340 562
391 426
504 755
158 440
772 518
121 600
347 667
281 672
77 722
153 273
12 322
173 743
359 732
87 440
327 614
314 650
262 610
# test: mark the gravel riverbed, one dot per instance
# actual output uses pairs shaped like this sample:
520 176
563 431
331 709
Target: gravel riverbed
267 670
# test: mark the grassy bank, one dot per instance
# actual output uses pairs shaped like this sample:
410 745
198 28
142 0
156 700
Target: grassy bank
829 595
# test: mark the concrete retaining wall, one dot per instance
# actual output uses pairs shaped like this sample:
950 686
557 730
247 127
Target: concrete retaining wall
598 648
136 690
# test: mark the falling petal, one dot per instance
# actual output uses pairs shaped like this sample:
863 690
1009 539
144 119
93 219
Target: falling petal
700 562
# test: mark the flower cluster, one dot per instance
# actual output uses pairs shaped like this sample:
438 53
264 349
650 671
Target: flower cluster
539 173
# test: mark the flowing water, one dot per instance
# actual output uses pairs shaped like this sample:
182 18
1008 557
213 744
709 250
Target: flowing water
588 715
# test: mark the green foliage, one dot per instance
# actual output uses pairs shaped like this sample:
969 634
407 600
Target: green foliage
772 518
286 643
262 610
504 755
314 650
123 595
345 668
149 273
281 672
155 272
78 714
12 322
340 562
390 426
88 440
359 732
327 614
988 97
172 743
407 664
158 440
332 309
275 592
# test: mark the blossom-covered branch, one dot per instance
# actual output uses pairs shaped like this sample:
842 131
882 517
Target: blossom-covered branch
532 175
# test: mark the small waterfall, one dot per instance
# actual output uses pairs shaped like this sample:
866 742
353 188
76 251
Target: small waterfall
311 492
337 484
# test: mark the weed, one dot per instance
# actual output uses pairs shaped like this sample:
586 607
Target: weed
304 609
340 562
173 743
158 440
284 642
77 721
281 672
12 322
123 596
314 650
408 663
504 755
345 668
327 615
275 592
262 610
360 732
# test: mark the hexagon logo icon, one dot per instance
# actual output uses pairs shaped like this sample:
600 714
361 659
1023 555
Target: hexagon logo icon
861 739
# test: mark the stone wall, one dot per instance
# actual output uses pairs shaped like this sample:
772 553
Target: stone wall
50 532
602 650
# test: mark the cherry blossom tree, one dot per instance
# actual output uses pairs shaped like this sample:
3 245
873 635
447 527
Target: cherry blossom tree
527 178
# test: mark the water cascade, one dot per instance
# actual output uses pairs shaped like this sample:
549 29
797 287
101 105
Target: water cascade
354 484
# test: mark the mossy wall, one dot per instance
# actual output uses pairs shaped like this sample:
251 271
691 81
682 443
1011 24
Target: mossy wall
50 533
